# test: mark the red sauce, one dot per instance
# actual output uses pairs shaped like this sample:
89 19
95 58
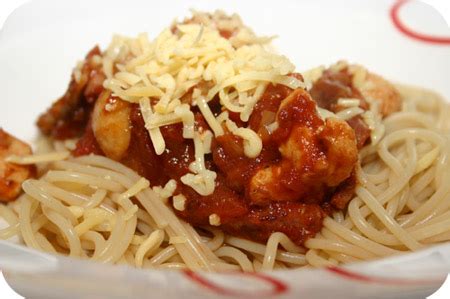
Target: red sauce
141 155
265 110
226 33
72 126
298 210
226 203
297 220
302 199
300 111
229 158
87 144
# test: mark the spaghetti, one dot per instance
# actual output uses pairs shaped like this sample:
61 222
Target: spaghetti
93 207
81 207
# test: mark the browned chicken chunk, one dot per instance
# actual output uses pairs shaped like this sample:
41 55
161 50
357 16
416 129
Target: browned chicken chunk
111 125
12 175
315 154
354 81
68 116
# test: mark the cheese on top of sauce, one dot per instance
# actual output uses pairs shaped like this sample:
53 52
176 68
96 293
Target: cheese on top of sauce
188 65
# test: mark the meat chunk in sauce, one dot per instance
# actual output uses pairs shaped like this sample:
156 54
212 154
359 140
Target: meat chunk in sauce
355 82
293 202
305 166
68 116
12 175
376 88
314 155
297 220
332 86
111 125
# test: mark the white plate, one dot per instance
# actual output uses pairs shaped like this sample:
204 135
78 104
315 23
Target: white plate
42 41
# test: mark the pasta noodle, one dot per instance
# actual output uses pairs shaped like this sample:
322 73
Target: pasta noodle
209 83
92 207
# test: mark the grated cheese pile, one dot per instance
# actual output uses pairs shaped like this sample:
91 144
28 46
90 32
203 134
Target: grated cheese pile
188 65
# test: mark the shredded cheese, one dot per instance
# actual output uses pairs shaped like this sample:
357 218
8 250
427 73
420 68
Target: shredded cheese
209 117
140 185
179 202
214 220
359 76
324 113
369 119
166 192
189 65
348 113
348 103
272 127
252 142
206 138
155 133
202 180
70 144
339 66
312 75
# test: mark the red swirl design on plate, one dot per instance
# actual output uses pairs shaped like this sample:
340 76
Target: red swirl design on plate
394 13
276 286
344 273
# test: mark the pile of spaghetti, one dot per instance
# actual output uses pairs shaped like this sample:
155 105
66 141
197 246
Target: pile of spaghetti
85 194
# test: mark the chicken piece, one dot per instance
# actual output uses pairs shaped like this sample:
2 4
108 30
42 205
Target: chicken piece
374 87
12 175
111 125
339 142
68 116
316 155
354 81
362 130
333 85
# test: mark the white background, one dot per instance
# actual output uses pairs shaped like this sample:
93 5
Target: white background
7 7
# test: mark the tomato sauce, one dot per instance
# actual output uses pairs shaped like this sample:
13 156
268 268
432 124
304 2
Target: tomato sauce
294 201
297 211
